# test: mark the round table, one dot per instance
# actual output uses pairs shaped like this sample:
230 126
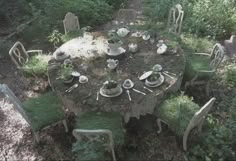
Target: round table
84 97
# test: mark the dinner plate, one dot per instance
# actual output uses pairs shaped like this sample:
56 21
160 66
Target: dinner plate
110 96
162 79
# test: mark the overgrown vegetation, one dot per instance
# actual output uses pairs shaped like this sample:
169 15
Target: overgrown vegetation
212 18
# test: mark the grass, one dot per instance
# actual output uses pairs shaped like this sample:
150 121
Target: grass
177 112
43 110
37 65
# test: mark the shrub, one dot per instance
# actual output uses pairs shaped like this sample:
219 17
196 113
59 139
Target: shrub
214 18
230 75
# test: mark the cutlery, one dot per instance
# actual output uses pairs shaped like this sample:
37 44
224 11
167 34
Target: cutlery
97 96
71 88
127 91
147 89
168 75
138 91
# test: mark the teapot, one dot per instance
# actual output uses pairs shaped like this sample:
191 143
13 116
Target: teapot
112 63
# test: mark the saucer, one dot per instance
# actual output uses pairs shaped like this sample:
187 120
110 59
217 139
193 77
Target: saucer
120 51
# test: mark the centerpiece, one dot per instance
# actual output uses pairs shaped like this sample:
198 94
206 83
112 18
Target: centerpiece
114 46
156 78
66 73
111 88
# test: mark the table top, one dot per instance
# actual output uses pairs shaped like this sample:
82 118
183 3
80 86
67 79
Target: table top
132 66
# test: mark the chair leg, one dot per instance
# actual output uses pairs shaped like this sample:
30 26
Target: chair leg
65 125
185 139
159 126
208 88
36 136
113 153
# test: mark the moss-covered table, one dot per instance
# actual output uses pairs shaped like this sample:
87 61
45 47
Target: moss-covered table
83 98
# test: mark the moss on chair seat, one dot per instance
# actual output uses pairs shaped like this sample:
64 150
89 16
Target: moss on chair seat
196 63
177 113
103 120
43 110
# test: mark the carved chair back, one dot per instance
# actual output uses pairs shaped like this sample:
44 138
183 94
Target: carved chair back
200 115
18 54
126 16
175 19
71 22
217 56
96 136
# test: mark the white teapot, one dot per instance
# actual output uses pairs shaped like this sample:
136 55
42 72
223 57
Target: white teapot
122 32
112 63
133 47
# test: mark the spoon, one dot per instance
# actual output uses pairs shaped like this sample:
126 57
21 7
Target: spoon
71 88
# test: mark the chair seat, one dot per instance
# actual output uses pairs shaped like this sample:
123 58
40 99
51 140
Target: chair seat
196 63
103 120
43 110
177 113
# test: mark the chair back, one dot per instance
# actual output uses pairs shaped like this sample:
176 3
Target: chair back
200 115
217 56
17 103
97 136
175 19
71 22
230 46
126 16
18 54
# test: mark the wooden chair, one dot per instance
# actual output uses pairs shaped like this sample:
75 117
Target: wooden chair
19 55
126 16
212 62
175 19
36 116
196 120
94 126
71 22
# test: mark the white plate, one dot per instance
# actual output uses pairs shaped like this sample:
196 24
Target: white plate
158 84
110 96
75 74
121 51
145 75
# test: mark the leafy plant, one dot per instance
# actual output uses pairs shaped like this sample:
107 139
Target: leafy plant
55 38
110 84
65 72
230 75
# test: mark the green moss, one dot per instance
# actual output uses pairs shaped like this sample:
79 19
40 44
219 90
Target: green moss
177 113
195 63
37 65
71 35
43 110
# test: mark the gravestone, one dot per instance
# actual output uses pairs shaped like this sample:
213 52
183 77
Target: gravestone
126 16
230 46
71 22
